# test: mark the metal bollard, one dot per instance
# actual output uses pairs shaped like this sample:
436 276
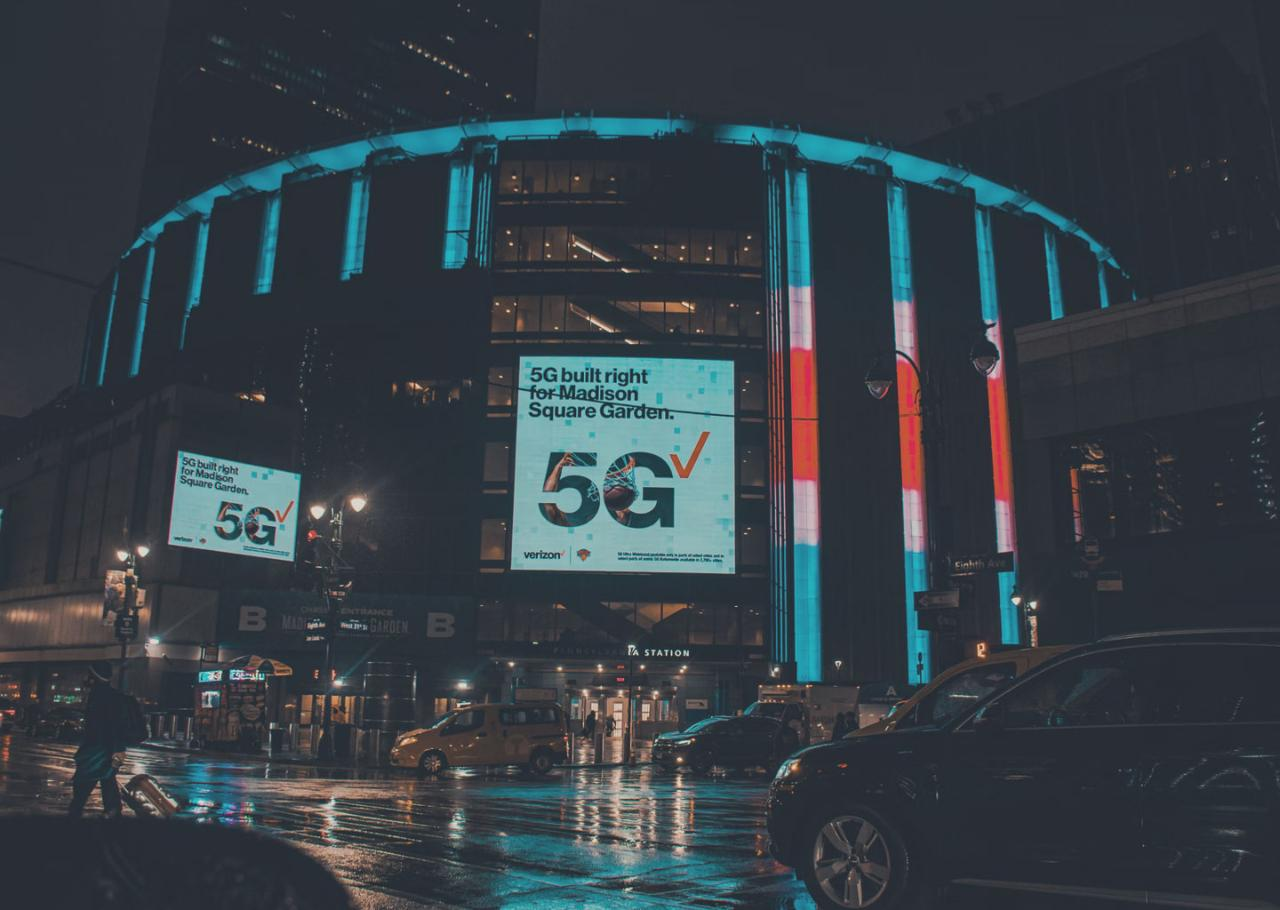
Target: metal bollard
188 728
599 749
292 738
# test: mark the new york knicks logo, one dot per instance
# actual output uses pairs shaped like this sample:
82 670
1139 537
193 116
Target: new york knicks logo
583 554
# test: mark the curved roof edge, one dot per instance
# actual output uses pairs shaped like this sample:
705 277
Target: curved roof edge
441 140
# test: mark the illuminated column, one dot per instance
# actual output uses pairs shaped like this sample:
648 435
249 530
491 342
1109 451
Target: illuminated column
196 283
106 327
140 321
457 213
1104 296
486 164
998 423
781 641
915 531
357 224
266 270
806 525
1051 270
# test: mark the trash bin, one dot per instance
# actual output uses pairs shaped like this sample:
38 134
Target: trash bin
275 740
344 742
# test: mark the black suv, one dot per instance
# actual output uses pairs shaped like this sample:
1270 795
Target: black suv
736 742
1142 768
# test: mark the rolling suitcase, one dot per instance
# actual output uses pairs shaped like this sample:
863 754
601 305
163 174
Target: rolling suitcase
147 798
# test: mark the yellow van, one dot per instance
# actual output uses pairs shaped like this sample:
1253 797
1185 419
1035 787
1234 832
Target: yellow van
531 735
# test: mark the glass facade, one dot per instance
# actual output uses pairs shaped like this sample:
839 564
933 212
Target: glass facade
1214 471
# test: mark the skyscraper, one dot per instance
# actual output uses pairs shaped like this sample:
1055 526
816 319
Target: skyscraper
1169 157
244 82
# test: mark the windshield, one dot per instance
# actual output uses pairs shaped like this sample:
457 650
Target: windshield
444 719
703 724
772 709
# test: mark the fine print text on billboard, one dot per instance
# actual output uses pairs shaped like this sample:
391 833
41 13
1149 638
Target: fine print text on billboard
624 464
230 507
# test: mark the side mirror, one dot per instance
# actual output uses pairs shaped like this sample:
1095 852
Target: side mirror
990 719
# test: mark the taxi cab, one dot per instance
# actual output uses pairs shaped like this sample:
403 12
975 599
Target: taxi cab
531 735
960 687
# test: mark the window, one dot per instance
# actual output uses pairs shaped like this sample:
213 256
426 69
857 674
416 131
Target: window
750 392
426 393
1215 684
514 717
1107 689
625 248
751 466
497 462
501 383
493 539
958 694
465 722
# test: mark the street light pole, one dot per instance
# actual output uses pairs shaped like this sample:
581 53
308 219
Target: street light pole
334 593
128 617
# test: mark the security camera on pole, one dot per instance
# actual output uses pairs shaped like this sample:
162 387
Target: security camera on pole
334 589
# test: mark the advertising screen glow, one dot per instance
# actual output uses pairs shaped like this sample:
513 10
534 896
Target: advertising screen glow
624 464
230 507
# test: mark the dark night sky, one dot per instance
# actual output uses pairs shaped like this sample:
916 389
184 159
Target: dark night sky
78 80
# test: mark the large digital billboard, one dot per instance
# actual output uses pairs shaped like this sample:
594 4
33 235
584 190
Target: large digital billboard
230 507
624 464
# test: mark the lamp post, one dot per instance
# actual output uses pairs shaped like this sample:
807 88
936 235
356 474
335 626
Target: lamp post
330 568
984 356
127 619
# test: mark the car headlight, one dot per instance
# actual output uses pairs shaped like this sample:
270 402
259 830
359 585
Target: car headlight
683 742
790 770
406 741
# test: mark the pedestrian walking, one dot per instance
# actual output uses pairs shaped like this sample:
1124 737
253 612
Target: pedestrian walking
34 713
609 724
589 725
852 721
839 728
102 744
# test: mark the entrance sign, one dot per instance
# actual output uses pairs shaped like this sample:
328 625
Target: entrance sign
624 464
984 562
231 507
948 599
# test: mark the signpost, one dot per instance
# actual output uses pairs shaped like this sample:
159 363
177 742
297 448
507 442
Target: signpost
983 562
948 599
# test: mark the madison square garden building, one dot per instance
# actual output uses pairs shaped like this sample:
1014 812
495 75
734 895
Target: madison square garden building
602 382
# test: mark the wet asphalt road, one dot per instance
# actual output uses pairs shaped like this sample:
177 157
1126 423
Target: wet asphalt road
610 837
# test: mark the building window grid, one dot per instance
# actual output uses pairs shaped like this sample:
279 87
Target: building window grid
628 248
660 622
632 321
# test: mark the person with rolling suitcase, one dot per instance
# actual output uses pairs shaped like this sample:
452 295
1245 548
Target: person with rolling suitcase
102 744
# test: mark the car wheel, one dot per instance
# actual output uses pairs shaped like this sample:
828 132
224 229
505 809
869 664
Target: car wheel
700 762
540 762
852 858
432 763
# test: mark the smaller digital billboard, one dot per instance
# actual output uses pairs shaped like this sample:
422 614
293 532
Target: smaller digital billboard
226 506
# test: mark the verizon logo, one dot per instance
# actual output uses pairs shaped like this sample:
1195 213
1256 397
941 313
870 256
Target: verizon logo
544 554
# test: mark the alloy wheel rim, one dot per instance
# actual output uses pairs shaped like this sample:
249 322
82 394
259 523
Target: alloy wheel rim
851 861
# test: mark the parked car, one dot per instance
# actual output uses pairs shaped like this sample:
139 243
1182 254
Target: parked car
738 742
959 688
8 715
62 723
1142 768
532 735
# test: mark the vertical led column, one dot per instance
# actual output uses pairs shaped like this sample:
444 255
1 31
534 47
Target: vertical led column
196 282
1104 295
998 423
265 273
806 536
481 234
1052 272
457 211
140 320
357 224
106 326
915 531
781 641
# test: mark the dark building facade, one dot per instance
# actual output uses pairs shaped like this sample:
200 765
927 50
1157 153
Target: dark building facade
242 83
1151 431
1170 158
399 297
